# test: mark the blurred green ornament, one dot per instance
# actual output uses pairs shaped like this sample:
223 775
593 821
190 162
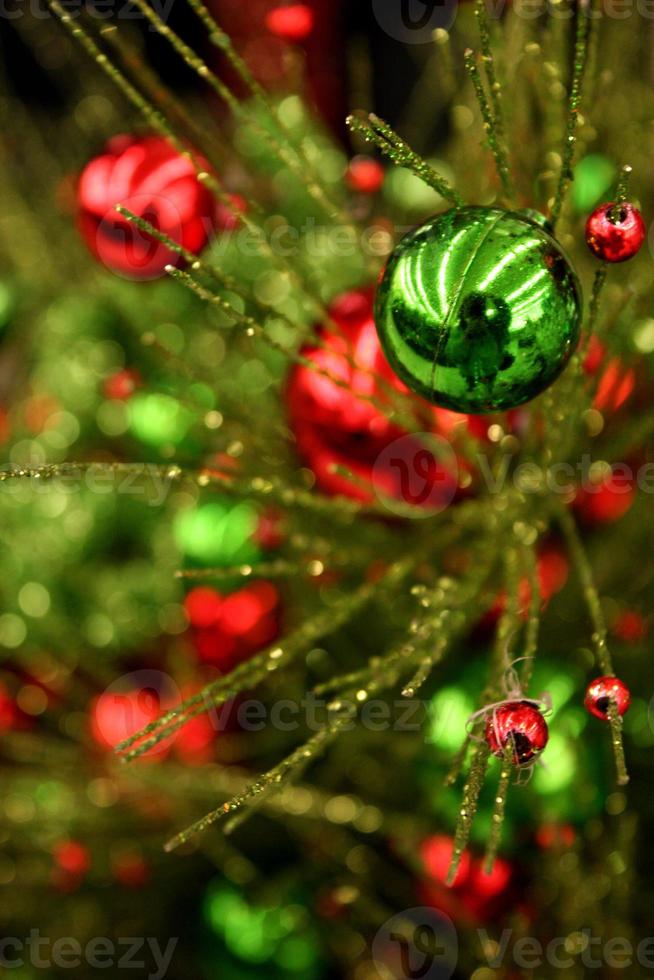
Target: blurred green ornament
218 534
280 937
478 309
593 178
159 419
7 304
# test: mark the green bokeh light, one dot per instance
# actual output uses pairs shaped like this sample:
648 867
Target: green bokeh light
159 419
593 178
280 936
218 533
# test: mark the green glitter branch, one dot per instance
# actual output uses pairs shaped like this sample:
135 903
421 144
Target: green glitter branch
375 130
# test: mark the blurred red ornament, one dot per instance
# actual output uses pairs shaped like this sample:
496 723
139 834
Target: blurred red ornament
336 425
194 741
365 175
4 426
617 382
269 533
293 23
630 626
474 896
229 629
520 725
10 716
602 691
150 178
555 835
552 570
72 857
595 354
615 232
129 705
130 870
227 218
203 605
122 385
606 501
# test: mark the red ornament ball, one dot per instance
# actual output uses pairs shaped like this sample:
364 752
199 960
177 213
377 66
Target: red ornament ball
474 896
615 232
293 23
150 178
617 381
365 175
128 705
520 724
608 500
228 218
228 629
602 691
336 424
630 626
72 857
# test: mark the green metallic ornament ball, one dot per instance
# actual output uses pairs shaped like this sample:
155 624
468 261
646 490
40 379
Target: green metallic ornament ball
478 310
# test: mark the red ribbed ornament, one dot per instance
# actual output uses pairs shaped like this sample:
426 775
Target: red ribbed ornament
336 424
151 179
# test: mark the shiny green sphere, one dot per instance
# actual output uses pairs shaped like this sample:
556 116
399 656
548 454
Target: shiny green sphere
478 309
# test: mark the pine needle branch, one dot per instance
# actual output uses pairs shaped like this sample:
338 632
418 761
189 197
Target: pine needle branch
468 809
499 807
286 769
375 130
497 113
583 36
490 127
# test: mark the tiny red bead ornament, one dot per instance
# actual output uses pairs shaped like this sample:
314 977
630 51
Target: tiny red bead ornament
151 179
520 724
602 691
615 232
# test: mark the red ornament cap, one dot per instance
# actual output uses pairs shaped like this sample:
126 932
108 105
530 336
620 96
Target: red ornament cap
602 691
615 235
519 723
